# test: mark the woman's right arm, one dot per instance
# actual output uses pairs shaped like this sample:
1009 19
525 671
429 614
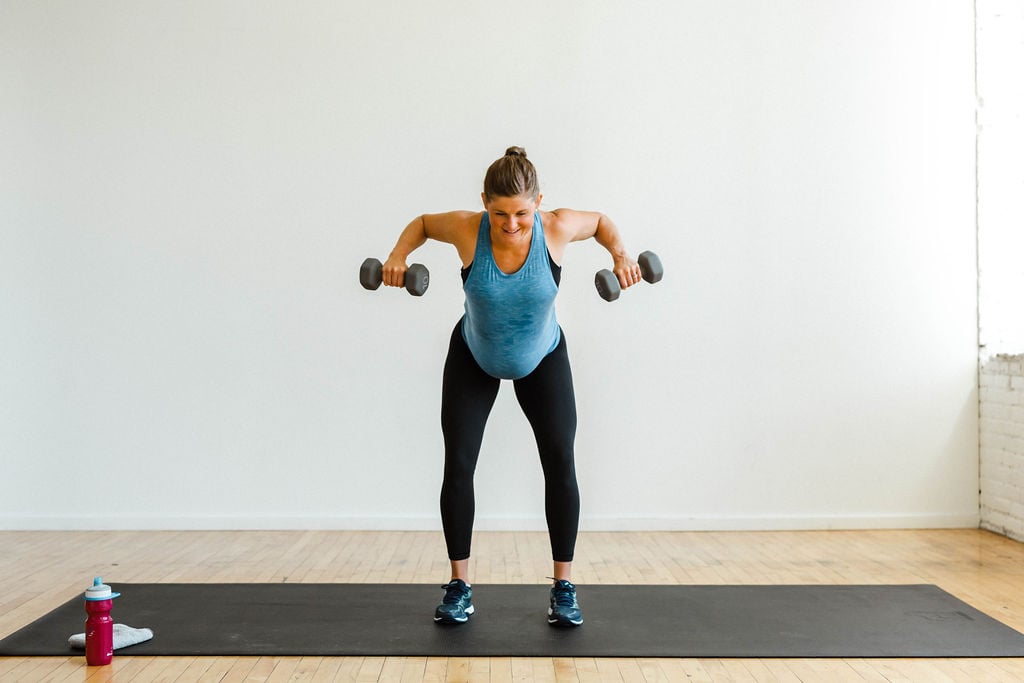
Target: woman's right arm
444 227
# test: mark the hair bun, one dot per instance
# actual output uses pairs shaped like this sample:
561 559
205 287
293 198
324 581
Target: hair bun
515 152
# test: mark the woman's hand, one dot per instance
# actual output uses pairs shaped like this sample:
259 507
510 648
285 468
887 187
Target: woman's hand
627 270
394 271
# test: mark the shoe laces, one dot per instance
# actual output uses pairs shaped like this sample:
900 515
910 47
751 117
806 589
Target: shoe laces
453 592
564 594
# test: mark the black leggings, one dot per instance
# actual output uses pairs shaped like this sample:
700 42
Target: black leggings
547 399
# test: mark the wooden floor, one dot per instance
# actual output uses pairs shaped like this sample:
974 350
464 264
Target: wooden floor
40 570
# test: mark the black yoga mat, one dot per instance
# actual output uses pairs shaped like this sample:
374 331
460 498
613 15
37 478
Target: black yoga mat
511 620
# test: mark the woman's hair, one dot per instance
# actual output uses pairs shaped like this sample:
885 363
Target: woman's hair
511 176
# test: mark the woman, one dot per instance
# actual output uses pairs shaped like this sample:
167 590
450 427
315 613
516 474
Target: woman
510 254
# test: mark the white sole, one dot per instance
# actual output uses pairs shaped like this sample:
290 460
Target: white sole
469 611
559 621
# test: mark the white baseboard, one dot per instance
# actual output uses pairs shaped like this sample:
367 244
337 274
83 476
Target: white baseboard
432 523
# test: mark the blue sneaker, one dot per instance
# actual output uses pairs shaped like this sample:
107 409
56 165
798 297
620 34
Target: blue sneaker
565 609
457 604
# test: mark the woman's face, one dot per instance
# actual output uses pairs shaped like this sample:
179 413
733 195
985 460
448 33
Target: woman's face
511 217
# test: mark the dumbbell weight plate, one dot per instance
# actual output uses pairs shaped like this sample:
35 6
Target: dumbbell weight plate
371 273
417 279
650 266
607 285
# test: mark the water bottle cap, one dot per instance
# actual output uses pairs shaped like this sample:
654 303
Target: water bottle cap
100 591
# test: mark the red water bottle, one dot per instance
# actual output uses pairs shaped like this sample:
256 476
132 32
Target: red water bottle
99 627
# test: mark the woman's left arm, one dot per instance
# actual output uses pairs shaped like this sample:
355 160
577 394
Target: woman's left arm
573 226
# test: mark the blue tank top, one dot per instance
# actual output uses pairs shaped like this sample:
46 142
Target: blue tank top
510 323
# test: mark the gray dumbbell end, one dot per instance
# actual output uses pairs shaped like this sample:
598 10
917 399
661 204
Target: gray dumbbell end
607 285
371 274
417 279
650 267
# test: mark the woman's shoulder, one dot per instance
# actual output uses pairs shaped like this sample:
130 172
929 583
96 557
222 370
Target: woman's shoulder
452 226
458 228
454 217
564 224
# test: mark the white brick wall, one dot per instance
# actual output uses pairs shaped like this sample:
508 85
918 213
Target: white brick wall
1002 445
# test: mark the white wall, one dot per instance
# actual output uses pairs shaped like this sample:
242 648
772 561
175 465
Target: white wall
1000 49
188 190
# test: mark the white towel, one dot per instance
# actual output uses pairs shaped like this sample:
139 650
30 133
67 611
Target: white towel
123 637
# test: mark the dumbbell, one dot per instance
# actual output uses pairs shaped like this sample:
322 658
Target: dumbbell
417 278
608 285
